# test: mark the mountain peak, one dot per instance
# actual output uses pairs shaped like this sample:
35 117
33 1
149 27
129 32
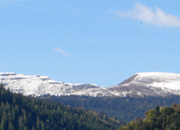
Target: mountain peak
38 85
158 79
149 84
159 75
140 84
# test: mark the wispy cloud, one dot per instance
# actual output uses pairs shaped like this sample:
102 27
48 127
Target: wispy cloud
61 51
153 16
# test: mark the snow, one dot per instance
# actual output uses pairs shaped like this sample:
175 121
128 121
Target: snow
42 85
161 80
148 83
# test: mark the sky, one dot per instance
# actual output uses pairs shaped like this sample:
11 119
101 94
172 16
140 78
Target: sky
89 41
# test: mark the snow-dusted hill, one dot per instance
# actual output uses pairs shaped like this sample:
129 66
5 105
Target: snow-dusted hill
150 84
43 85
140 84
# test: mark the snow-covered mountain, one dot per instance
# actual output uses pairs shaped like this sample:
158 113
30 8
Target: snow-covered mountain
140 84
43 85
149 84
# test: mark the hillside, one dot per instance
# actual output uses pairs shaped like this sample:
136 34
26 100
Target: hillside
149 84
140 84
164 118
125 101
121 108
24 113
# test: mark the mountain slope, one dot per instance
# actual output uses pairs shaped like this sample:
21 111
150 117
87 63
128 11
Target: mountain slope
140 84
149 84
164 118
43 85
121 108
18 112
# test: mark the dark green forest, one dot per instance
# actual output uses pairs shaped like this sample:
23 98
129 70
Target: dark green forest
164 118
18 112
121 108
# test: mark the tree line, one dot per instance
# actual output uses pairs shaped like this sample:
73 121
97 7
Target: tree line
160 118
18 112
122 108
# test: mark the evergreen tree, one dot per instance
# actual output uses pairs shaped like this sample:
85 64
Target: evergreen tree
25 113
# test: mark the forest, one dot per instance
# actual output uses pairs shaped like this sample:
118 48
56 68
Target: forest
122 108
160 118
18 112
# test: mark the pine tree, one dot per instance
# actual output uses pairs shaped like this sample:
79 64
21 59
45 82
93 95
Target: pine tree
10 126
4 121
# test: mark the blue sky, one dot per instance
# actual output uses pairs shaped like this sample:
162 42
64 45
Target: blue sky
89 41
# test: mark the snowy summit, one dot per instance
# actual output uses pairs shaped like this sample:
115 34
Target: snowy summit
140 84
149 84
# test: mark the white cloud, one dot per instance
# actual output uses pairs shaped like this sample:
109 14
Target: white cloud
62 52
157 16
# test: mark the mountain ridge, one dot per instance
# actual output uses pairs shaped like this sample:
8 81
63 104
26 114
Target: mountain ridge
140 84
